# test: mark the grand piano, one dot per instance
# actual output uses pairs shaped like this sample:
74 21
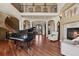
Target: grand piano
24 36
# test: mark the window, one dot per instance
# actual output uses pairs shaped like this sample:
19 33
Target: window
45 9
30 9
54 8
37 9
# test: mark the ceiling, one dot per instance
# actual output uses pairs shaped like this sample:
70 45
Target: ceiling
36 7
38 3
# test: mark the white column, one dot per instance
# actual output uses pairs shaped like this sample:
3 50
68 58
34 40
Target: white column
42 29
30 24
20 24
56 21
46 28
24 7
55 26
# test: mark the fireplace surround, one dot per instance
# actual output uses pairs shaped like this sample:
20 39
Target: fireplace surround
67 46
70 27
72 33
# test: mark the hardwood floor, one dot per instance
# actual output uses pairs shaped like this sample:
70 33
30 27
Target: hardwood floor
40 47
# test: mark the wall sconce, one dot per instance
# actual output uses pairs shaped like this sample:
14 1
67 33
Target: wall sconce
33 4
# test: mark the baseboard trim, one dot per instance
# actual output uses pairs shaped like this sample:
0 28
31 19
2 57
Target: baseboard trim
63 55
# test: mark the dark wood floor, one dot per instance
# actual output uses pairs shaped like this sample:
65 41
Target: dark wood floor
40 47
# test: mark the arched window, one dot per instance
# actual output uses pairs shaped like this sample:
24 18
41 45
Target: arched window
12 22
30 9
37 9
26 24
45 9
54 8
51 26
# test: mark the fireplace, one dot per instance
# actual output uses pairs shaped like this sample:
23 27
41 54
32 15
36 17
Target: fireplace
72 33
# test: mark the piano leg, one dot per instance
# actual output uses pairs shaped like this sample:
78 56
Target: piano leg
28 45
17 44
25 45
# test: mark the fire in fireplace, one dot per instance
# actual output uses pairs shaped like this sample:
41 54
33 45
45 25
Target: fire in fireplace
72 33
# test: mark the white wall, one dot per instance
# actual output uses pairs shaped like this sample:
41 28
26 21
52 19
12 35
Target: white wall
9 9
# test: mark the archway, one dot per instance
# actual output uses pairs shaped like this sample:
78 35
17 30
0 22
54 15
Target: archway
12 23
51 26
26 24
40 26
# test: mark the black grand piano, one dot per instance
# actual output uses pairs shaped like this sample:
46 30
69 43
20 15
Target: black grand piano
24 36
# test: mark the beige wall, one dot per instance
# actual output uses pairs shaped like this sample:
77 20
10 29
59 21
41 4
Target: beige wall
13 25
2 19
14 22
2 26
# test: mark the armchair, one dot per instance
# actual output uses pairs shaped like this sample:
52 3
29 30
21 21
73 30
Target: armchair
53 36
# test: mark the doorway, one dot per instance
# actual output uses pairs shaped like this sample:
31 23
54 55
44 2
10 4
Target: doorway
39 29
51 26
58 30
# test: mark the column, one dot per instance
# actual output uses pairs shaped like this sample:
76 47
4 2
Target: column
55 26
46 28
20 24
24 7
43 29
30 24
